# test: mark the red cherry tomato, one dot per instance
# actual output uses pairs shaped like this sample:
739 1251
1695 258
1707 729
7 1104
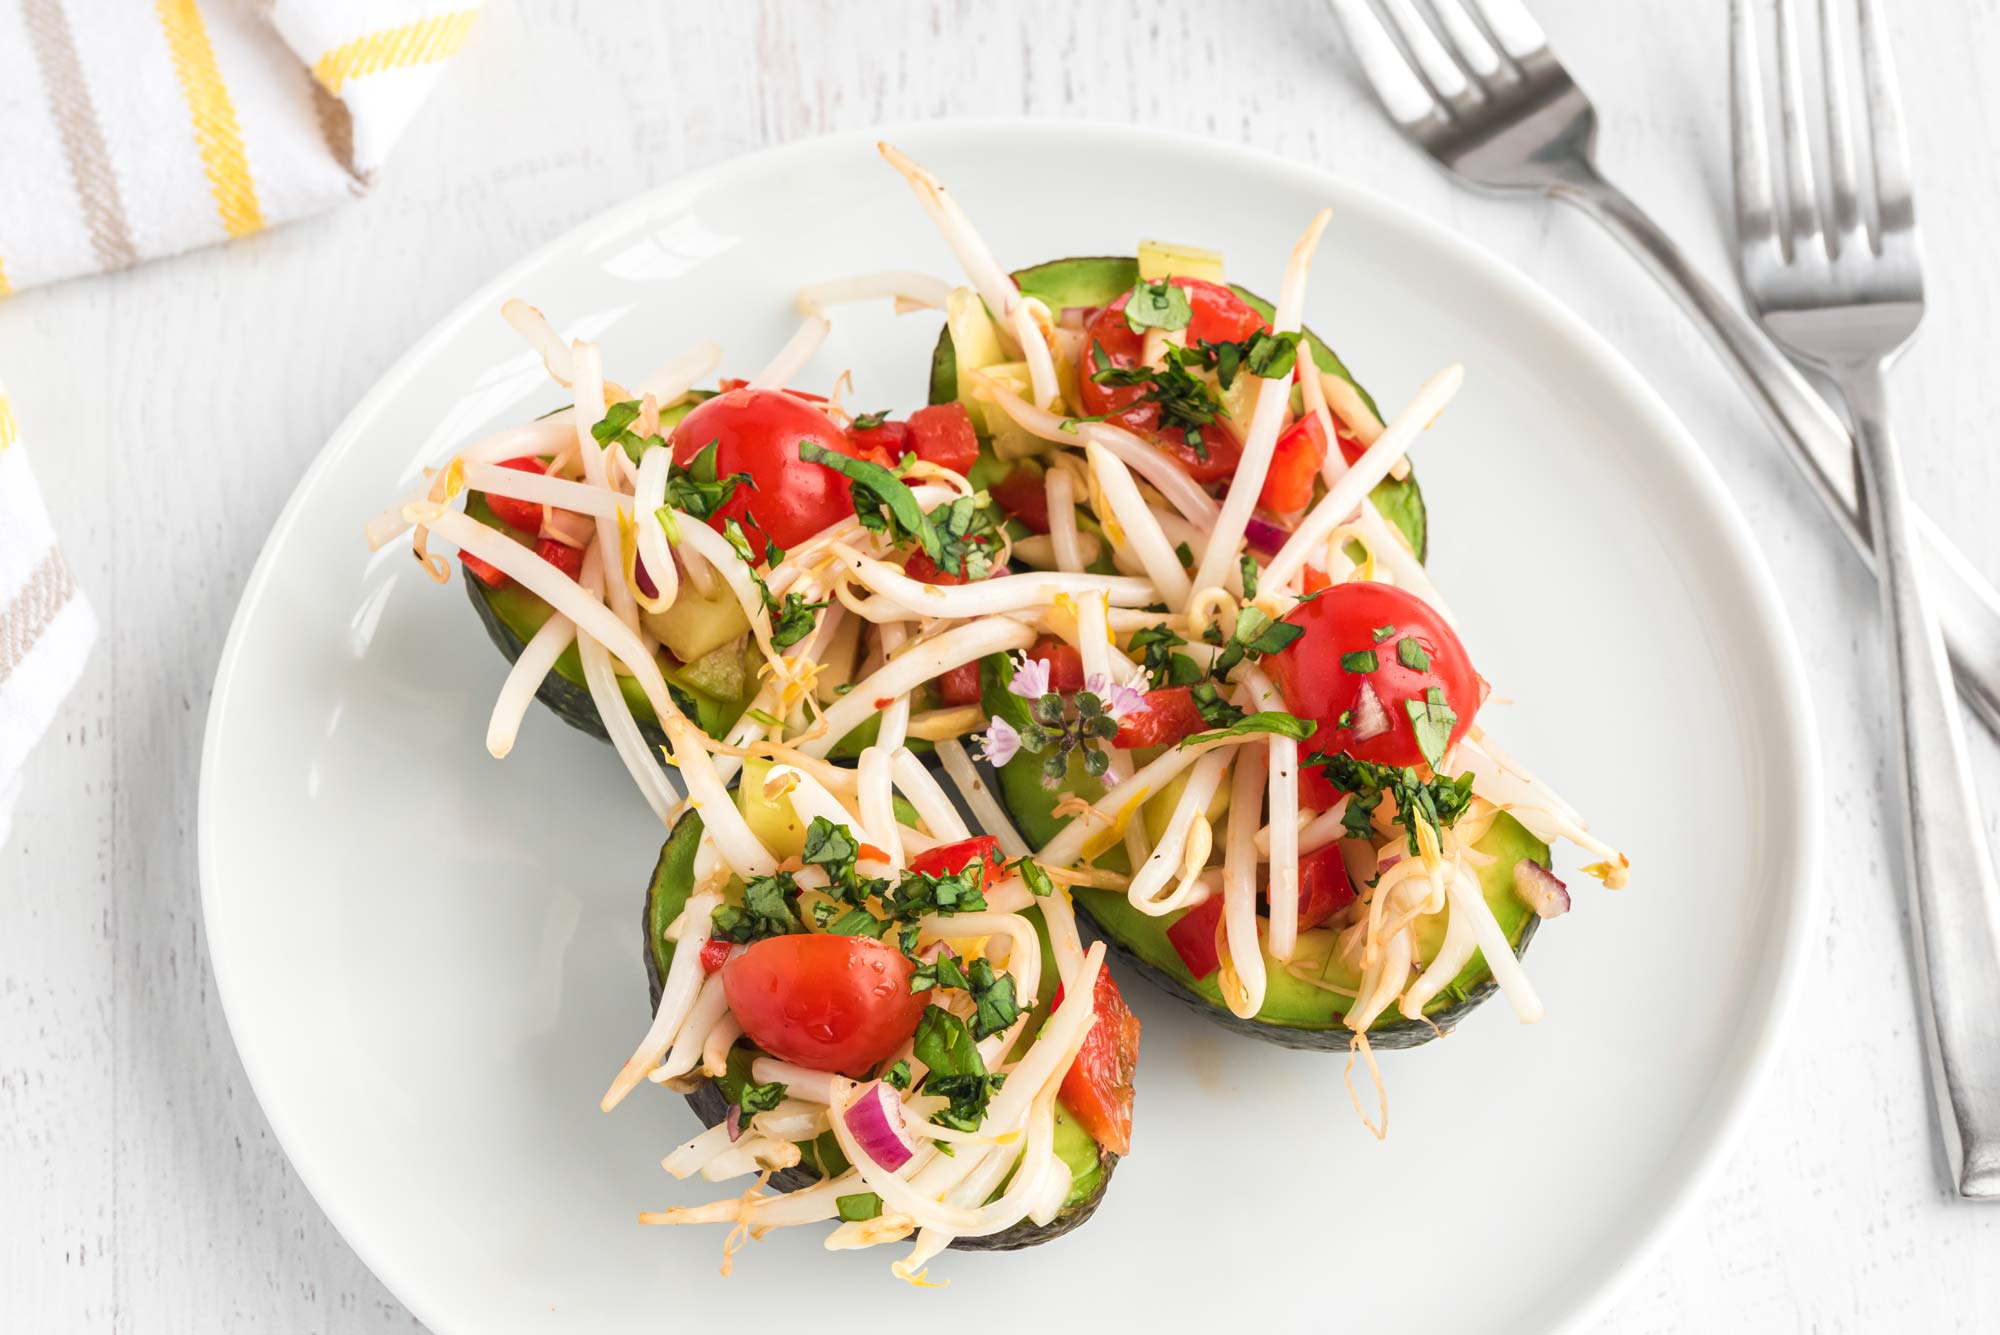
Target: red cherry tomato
1024 495
1169 715
833 1003
1098 1085
960 686
1377 620
948 858
1295 466
884 444
489 575
513 512
562 556
1065 662
1217 315
1316 791
758 431
942 434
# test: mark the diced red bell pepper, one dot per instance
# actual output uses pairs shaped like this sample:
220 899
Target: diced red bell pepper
942 434
1314 580
921 568
489 575
961 686
1098 1085
1169 715
1192 935
1324 888
714 954
513 512
1065 663
885 443
948 858
562 556
1023 494
1295 465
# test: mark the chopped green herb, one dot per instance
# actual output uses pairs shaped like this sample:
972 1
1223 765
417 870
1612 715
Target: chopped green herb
1433 721
1248 565
1411 654
1185 554
1186 404
994 1005
1256 634
1361 660
859 922
1273 721
869 421
1383 632
1033 876
770 908
897 1076
1159 305
1437 802
765 717
759 1098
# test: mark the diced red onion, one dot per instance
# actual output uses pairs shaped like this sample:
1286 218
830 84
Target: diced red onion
644 580
1539 889
876 1120
1264 536
1077 317
734 1122
1370 719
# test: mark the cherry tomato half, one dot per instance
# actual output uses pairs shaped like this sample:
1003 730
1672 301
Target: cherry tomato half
1295 466
758 431
942 434
833 1003
1024 495
1217 315
1169 715
1065 662
1357 624
1324 890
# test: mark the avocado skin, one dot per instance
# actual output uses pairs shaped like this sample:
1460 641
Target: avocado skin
711 1107
565 699
1401 1033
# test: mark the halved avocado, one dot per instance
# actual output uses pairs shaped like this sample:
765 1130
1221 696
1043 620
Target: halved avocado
1097 280
1090 1164
1296 1014
512 615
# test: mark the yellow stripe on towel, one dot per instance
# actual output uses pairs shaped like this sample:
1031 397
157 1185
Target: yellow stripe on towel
9 433
216 131
424 42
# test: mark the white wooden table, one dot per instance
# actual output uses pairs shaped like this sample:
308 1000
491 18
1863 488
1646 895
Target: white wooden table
172 408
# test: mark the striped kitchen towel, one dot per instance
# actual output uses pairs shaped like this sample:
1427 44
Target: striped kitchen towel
131 129
45 626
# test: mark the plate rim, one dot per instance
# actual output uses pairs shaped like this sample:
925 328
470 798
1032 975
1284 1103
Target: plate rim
1803 810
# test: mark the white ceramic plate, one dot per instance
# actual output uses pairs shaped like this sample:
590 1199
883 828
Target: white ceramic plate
430 960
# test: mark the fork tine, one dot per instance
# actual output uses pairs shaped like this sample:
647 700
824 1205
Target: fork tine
1439 68
1514 28
1846 218
1885 122
1802 226
1467 41
1404 96
1749 149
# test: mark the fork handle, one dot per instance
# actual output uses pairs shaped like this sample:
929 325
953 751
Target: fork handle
1967 607
1954 898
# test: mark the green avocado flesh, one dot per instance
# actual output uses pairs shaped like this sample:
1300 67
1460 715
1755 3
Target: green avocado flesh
1289 1003
1098 280
1090 1165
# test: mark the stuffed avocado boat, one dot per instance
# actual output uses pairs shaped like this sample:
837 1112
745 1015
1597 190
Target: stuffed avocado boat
899 1031
1275 767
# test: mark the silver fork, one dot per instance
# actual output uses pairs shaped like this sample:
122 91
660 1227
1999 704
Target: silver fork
1481 92
1846 298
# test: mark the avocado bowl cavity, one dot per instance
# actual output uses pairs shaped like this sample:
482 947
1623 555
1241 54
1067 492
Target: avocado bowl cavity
715 1096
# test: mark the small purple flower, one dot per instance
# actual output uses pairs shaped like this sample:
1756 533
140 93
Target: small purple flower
1000 742
1031 679
1118 700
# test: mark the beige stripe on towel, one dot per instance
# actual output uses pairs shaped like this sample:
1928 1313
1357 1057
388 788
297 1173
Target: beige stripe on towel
47 590
82 136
